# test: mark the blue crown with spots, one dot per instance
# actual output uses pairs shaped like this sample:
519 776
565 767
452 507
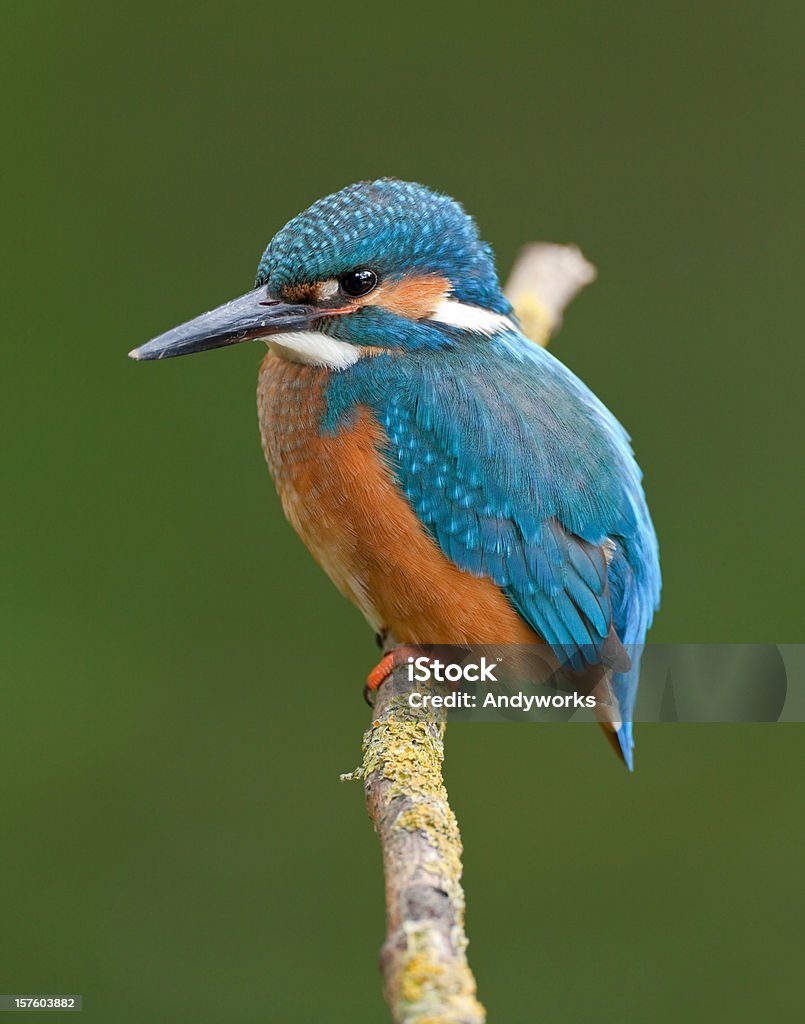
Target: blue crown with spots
395 228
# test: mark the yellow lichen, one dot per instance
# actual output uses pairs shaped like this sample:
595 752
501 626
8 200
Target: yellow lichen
418 975
406 752
438 824
535 320
433 992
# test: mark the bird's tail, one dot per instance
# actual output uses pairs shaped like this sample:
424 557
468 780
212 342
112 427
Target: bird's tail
613 710
622 740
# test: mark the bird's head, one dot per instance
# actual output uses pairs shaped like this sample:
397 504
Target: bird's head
379 265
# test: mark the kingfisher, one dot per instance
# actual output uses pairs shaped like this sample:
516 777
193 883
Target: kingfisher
454 479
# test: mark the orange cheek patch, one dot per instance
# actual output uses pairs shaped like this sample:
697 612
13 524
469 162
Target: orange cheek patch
411 297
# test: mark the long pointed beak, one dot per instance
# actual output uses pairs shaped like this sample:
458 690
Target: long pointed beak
251 316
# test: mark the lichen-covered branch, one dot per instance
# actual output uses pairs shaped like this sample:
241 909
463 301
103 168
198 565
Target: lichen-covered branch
424 958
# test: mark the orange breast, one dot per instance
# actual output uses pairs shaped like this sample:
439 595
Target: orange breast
345 505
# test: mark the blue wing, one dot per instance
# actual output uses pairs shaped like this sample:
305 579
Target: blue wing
521 475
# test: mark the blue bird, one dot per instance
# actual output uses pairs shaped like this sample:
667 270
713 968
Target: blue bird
456 481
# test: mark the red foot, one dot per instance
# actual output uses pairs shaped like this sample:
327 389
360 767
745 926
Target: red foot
384 668
381 671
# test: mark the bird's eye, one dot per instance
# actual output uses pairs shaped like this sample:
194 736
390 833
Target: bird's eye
358 282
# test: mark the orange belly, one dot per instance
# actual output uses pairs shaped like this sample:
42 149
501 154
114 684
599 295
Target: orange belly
345 505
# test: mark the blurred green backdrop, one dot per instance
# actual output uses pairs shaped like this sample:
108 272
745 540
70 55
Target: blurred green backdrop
181 686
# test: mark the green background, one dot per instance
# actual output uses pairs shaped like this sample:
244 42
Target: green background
181 686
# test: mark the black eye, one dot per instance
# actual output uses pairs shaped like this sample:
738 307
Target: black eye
358 282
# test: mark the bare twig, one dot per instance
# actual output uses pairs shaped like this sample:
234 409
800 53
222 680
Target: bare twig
424 961
544 278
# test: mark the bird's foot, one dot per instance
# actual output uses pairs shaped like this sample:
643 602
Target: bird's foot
383 669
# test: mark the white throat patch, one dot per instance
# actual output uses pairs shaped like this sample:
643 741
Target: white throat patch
471 318
314 349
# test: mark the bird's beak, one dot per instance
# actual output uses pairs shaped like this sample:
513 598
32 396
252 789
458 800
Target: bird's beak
251 316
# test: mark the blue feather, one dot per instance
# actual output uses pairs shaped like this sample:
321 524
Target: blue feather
523 476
